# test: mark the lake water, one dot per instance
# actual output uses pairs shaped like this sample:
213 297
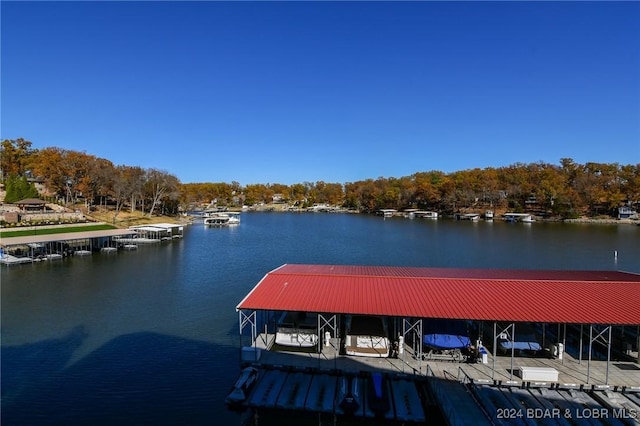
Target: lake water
151 336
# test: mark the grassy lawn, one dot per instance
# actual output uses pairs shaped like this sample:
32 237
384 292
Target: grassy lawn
46 231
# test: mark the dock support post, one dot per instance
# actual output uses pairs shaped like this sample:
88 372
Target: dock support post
416 328
512 349
580 350
250 319
495 351
606 380
590 343
564 341
327 324
511 336
606 341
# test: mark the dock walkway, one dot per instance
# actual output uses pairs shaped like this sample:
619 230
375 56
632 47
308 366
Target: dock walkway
466 393
570 370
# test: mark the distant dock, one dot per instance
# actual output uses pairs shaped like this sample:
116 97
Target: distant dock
32 248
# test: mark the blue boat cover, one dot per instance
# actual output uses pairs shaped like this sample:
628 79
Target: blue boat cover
525 339
521 346
446 334
446 341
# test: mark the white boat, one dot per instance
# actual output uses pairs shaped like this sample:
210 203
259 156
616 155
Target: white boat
367 336
82 253
130 246
222 219
216 220
109 250
242 387
387 212
426 214
474 217
488 215
53 256
234 218
519 217
297 329
527 219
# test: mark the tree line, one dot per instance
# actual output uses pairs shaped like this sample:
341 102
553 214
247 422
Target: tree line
568 189
73 177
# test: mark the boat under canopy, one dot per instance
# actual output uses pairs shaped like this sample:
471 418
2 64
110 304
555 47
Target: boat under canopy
298 329
367 336
519 337
446 339
446 334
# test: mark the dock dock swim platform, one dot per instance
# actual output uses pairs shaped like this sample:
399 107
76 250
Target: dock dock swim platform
459 393
579 357
319 391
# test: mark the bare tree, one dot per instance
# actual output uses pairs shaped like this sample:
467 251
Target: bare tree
160 184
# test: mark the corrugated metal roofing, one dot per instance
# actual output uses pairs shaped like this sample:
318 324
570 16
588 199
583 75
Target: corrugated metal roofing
581 297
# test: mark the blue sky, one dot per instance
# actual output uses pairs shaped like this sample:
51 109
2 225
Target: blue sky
290 92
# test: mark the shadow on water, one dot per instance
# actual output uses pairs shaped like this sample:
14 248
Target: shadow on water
139 378
27 366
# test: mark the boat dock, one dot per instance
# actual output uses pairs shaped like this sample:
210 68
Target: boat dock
615 374
515 378
34 248
464 393
318 391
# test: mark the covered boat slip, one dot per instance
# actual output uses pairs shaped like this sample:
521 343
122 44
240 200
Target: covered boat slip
413 297
28 248
590 310
159 231
446 340
297 329
366 336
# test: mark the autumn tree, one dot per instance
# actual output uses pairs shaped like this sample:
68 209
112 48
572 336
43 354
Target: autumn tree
49 164
256 193
298 193
425 191
14 157
121 189
630 183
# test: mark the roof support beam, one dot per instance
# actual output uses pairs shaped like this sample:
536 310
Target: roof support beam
415 330
603 337
510 337
328 324
245 320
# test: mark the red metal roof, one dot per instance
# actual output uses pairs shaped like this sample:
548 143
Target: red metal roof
580 297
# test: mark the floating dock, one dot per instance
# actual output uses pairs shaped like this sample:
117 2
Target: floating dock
316 391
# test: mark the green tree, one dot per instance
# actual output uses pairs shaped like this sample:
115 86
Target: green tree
18 188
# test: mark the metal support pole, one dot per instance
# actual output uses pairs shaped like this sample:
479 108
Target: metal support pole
589 361
580 350
495 351
606 380
513 338
564 341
